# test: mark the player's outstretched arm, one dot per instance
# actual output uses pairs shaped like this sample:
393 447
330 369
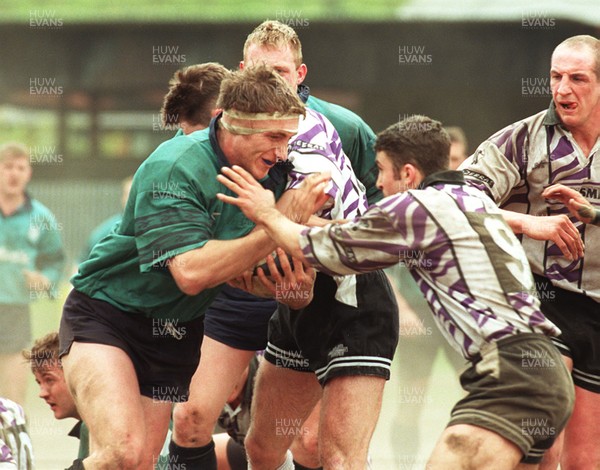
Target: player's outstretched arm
575 202
258 204
557 228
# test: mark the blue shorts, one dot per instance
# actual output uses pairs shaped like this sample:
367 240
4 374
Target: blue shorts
238 319
164 355
333 339
577 317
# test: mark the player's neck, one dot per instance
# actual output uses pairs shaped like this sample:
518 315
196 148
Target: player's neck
9 203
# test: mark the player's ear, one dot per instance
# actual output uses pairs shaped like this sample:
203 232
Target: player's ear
301 72
241 65
412 175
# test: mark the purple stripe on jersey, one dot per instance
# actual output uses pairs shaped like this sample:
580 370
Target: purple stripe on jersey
569 272
467 342
460 194
446 267
512 142
516 198
502 137
348 188
337 148
418 221
562 149
508 330
309 134
459 286
574 164
520 147
536 318
5 454
350 209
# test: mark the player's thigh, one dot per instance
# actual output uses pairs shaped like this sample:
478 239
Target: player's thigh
583 431
283 398
219 370
352 402
104 385
480 448
305 447
157 415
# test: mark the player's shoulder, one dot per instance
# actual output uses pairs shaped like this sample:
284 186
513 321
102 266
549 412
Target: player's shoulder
187 153
518 128
39 209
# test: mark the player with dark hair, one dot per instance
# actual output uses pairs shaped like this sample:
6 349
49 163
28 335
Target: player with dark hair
475 276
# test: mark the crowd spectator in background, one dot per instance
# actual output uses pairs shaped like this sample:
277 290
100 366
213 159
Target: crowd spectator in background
459 146
32 261
107 225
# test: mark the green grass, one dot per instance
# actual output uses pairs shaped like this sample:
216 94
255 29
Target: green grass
291 12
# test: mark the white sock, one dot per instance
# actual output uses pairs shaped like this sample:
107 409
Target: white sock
287 465
289 462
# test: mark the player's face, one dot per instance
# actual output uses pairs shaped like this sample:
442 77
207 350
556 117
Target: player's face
575 87
258 153
54 391
280 59
457 155
15 173
387 179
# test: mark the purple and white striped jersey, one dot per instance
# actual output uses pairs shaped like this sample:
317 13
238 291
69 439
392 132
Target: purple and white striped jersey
316 148
516 164
467 262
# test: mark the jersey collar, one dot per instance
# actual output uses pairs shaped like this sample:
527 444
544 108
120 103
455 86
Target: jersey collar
551 118
303 92
443 177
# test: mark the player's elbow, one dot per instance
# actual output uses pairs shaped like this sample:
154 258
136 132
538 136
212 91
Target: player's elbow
188 282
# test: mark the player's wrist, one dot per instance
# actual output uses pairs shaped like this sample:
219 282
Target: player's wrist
596 218
264 214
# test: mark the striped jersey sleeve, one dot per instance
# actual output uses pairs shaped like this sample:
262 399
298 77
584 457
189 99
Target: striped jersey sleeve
465 259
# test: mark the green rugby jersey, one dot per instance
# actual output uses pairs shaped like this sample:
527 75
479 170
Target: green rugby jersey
172 208
29 240
357 139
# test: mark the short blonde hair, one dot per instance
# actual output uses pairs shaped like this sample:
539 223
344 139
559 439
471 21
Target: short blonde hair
585 40
274 34
13 150
259 90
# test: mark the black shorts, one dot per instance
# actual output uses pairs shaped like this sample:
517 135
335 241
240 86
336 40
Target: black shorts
520 389
333 339
15 328
238 319
165 355
578 317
